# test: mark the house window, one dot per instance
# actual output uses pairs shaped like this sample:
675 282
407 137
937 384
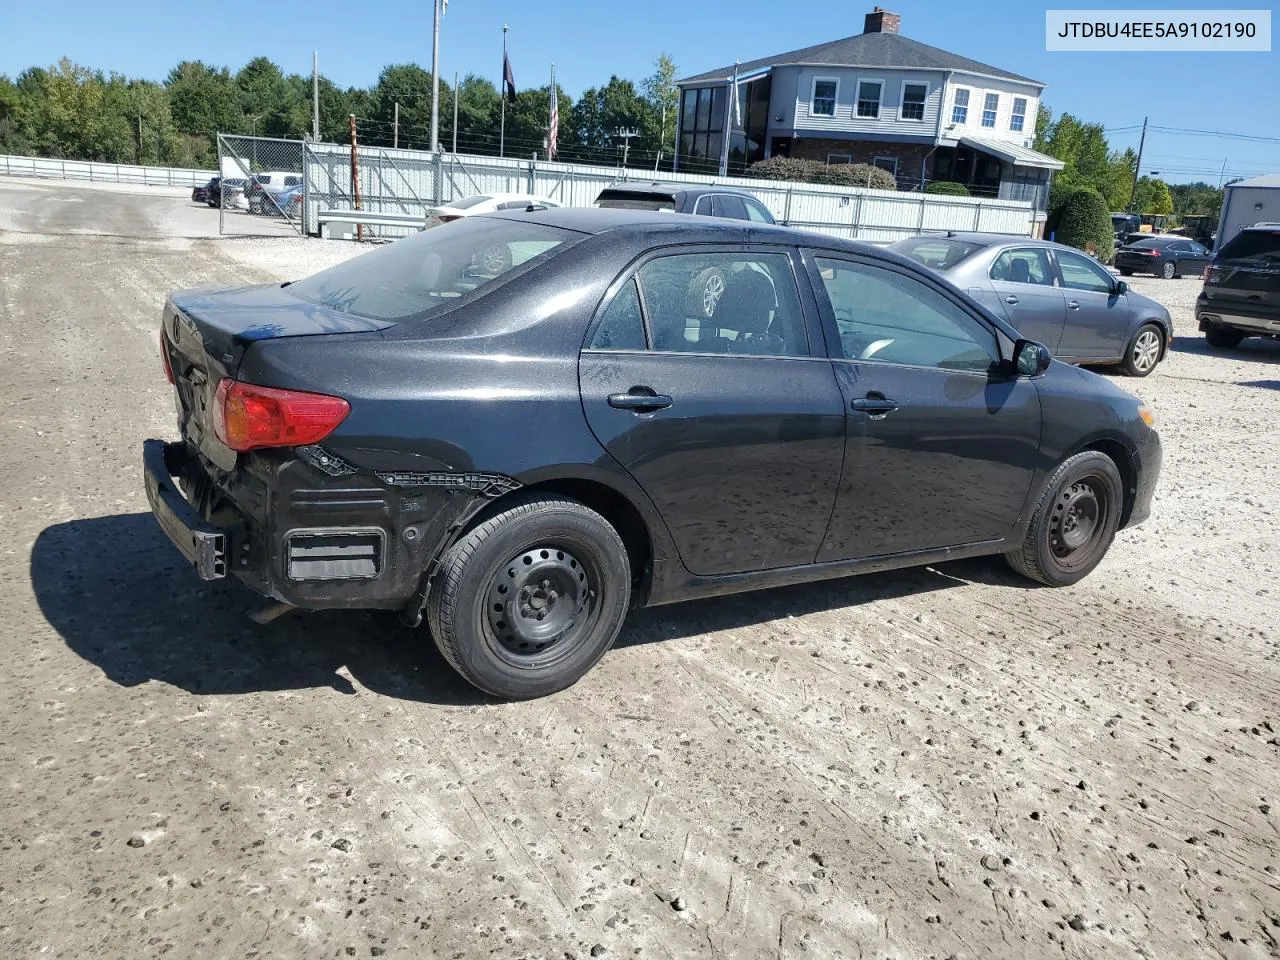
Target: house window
823 101
989 107
837 158
701 126
886 163
869 98
960 107
913 95
1019 116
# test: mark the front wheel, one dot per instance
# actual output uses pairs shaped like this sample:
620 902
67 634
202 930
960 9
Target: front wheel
1223 338
1074 522
530 600
1143 351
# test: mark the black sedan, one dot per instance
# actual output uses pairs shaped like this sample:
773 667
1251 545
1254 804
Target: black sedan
1164 256
519 449
200 192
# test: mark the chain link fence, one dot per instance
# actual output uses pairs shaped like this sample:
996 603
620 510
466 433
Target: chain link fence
262 187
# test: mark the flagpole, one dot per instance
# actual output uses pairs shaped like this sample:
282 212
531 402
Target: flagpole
502 86
435 79
728 122
551 110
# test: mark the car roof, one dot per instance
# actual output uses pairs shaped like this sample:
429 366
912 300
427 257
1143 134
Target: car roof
995 240
660 188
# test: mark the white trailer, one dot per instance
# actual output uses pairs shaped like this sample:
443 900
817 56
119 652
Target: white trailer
1246 203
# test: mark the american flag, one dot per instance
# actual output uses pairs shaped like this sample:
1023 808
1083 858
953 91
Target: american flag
553 127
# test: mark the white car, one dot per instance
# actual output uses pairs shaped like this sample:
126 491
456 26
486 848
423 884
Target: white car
486 203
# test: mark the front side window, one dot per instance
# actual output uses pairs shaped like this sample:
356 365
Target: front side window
869 98
989 107
960 107
735 303
887 317
622 326
913 97
1029 265
823 102
1081 273
1018 119
1197 249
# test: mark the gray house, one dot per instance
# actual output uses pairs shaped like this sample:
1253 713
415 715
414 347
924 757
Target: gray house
919 112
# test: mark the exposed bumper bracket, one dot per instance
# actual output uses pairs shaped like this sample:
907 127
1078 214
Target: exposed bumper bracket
204 545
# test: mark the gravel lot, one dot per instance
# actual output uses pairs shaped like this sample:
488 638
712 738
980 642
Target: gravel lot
937 763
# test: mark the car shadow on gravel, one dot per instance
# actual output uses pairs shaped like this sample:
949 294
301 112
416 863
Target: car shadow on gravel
1251 349
121 597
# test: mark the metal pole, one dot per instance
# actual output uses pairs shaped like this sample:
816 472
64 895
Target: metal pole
315 95
435 80
395 128
502 86
455 111
730 91
355 174
1223 175
1133 193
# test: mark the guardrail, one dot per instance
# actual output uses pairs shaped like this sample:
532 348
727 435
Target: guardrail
50 168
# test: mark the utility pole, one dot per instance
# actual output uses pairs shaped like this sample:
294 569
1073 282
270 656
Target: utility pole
435 79
455 111
139 138
626 136
315 95
395 128
1223 175
355 174
1133 193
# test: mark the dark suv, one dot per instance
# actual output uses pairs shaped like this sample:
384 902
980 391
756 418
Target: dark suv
709 201
1241 295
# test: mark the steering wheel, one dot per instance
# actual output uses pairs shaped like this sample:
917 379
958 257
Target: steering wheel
874 347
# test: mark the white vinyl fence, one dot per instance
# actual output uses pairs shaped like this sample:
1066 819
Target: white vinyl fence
55 169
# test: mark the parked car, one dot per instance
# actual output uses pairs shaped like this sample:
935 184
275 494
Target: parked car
708 201
486 203
266 187
228 191
520 457
288 203
1054 294
1164 255
1241 294
200 193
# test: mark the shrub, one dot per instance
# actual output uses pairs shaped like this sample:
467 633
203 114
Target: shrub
1082 217
782 168
947 188
813 171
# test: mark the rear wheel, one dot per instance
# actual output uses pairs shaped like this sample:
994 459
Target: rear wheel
1074 522
1143 352
530 600
1169 271
1223 338
1126 273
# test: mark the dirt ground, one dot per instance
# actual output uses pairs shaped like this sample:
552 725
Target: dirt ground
938 763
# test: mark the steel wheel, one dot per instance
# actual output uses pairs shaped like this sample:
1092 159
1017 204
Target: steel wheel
1077 522
1144 354
1169 271
540 604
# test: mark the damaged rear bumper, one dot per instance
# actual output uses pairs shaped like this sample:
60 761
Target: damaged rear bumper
204 545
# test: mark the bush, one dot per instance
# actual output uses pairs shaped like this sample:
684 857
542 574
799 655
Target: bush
947 188
1082 217
812 171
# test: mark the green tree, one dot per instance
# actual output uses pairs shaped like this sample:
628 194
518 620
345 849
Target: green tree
662 97
269 100
1081 219
478 115
1198 199
410 86
203 99
600 113
1044 126
1152 196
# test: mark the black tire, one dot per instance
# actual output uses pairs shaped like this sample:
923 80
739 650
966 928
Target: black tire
493 260
1169 270
517 637
1143 351
1074 522
1126 273
705 292
1223 338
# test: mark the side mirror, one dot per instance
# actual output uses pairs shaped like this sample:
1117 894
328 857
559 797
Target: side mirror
1030 359
1121 288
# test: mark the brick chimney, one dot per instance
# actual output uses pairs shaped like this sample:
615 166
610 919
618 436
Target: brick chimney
881 20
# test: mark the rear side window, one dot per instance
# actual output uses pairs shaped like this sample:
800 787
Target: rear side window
426 273
756 211
1252 245
937 253
1029 265
729 205
622 326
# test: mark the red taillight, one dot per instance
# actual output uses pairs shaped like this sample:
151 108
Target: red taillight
1153 253
246 417
164 358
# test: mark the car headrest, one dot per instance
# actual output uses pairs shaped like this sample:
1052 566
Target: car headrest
747 303
1019 271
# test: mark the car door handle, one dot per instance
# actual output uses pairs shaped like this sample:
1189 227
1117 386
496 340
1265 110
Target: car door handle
1073 304
875 405
1011 299
639 402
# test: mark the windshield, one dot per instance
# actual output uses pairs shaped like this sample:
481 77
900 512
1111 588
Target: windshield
1252 245
937 253
466 203
420 275
625 200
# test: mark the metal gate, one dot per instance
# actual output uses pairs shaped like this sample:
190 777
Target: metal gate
262 187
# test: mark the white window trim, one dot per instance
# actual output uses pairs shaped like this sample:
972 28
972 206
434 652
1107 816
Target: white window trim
857 93
955 92
995 114
875 163
835 100
834 158
1013 113
902 101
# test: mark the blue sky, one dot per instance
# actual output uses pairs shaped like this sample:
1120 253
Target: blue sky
590 39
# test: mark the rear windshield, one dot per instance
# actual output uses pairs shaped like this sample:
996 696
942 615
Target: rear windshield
626 200
1152 243
935 252
468 202
420 275
1252 245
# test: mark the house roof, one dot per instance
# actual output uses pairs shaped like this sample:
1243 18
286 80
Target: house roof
1267 180
1015 153
865 50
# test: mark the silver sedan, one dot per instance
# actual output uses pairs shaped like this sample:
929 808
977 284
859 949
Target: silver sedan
1054 294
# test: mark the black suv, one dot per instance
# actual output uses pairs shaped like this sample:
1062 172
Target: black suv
709 201
1241 295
